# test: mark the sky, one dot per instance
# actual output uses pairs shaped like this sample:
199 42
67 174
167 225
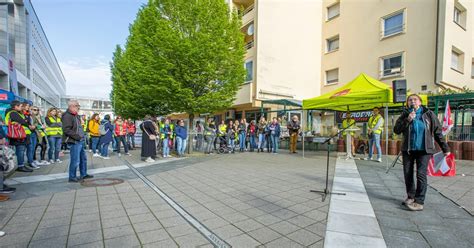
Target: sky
83 35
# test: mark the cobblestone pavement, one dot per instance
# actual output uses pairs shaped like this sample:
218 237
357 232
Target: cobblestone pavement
247 200
441 224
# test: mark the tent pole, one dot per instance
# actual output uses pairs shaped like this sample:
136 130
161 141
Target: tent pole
302 126
386 133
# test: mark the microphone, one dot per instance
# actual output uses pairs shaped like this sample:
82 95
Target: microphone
412 106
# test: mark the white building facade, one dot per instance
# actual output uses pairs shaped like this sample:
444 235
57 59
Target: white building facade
24 42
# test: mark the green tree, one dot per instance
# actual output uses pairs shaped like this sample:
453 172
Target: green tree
181 56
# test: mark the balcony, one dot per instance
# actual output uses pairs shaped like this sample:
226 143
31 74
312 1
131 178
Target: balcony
248 30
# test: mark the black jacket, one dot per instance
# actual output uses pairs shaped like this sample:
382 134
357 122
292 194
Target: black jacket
433 131
71 128
15 117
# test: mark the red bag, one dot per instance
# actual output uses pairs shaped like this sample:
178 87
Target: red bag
451 163
15 131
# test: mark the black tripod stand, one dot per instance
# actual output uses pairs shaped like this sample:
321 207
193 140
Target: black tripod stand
394 162
326 191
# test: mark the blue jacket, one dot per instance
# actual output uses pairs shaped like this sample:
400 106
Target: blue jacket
107 138
181 132
274 129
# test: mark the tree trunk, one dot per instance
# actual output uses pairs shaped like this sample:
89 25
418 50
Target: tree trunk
190 137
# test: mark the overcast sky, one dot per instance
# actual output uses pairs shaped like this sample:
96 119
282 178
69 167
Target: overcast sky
83 35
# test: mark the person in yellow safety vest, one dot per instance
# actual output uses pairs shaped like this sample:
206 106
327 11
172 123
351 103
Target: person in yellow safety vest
15 115
349 122
42 139
55 132
166 136
375 125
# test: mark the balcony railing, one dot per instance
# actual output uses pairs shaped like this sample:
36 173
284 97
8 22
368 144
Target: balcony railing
249 45
248 9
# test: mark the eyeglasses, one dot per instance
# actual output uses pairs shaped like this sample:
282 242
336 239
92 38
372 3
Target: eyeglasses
34 109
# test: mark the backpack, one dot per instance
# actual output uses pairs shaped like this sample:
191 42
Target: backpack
102 130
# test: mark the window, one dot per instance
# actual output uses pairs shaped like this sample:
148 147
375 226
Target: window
459 15
424 87
472 68
457 60
393 24
249 69
332 76
332 44
333 11
392 65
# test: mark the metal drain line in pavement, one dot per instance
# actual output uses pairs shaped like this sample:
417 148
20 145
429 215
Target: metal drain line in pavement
213 238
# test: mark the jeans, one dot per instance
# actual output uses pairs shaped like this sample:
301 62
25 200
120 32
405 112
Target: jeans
181 145
252 142
421 159
78 158
232 144
54 147
104 149
114 144
210 142
293 142
166 147
20 155
199 138
274 140
261 140
375 139
30 148
131 140
119 139
242 140
95 142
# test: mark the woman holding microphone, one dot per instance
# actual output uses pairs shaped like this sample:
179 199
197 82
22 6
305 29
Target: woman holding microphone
420 128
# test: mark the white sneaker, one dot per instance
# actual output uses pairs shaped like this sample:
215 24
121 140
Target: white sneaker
58 161
45 162
90 150
36 163
96 155
120 155
106 158
367 158
51 161
34 166
128 154
2 233
379 160
149 160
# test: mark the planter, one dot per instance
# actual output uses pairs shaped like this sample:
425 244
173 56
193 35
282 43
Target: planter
399 146
468 150
392 147
340 145
456 148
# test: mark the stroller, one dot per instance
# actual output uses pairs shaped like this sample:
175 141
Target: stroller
223 146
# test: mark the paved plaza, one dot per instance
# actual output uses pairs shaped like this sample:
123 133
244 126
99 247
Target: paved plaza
245 200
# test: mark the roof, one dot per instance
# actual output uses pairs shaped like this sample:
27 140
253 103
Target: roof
285 102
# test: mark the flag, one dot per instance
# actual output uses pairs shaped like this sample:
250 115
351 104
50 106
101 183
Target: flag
447 121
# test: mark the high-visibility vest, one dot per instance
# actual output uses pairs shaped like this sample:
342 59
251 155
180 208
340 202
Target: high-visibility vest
346 124
222 129
51 131
373 122
162 126
7 120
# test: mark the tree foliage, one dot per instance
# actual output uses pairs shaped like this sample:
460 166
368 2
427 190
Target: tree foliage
180 56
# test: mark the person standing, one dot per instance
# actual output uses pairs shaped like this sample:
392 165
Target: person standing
199 129
274 128
242 134
149 139
120 131
131 130
106 130
231 136
293 129
421 129
31 136
166 136
94 124
15 116
54 132
209 135
261 133
73 134
42 139
375 125
349 122
252 133
181 138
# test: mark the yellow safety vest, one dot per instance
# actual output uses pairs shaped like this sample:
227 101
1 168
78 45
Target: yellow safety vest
7 119
51 131
373 122
162 126
222 129
346 124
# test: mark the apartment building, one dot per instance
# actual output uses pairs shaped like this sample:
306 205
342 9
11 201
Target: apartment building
283 59
430 43
28 66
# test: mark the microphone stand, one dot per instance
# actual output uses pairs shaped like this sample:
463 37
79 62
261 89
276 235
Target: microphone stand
326 191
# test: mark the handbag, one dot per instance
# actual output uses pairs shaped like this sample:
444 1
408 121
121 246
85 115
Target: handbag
150 136
15 131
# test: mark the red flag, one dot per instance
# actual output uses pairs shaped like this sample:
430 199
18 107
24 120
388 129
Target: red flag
447 121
